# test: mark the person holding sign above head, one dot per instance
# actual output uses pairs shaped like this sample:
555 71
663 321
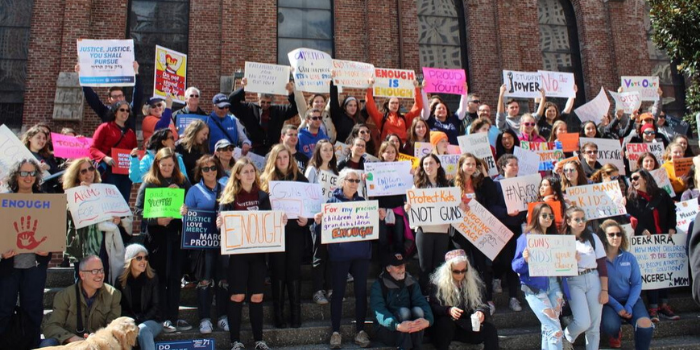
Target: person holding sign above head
164 235
655 213
439 117
346 114
263 121
246 272
312 133
510 119
456 301
589 290
23 274
223 125
163 138
675 151
352 257
625 282
355 159
614 131
115 94
158 115
419 131
114 133
286 266
208 263
37 141
552 115
391 121
528 130
193 145
543 293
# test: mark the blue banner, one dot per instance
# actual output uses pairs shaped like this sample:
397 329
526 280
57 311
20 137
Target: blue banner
183 120
199 230
194 344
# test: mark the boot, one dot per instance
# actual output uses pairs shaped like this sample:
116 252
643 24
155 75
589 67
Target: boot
294 290
278 303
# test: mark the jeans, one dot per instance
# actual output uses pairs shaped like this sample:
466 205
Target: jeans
49 342
656 297
431 254
547 307
122 182
358 269
612 322
585 291
213 272
400 339
148 330
29 285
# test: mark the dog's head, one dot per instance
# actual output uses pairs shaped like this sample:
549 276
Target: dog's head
124 329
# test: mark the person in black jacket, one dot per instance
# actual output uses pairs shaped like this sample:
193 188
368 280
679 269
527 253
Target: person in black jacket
344 115
694 259
262 121
139 286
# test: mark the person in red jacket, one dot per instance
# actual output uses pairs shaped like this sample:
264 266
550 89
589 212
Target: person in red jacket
391 121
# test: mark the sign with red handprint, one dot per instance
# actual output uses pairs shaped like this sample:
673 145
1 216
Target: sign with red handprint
32 222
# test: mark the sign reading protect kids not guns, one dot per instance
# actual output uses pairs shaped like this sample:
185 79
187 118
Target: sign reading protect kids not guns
312 70
662 260
32 222
106 62
394 82
598 201
350 222
247 232
552 255
432 206
170 74
483 230
96 203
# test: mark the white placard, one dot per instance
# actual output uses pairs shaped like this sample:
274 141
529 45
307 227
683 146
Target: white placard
448 162
595 109
522 84
662 181
106 62
247 232
266 78
328 182
352 74
609 151
626 101
312 70
483 230
350 222
11 151
434 206
388 179
647 86
96 203
662 258
685 214
478 144
257 160
635 150
297 199
598 201
518 191
552 255
528 161
557 84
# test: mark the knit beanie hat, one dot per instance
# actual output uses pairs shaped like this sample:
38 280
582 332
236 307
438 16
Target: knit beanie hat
132 250
436 136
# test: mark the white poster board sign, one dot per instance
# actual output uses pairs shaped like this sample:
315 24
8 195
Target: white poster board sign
609 151
352 74
388 179
635 150
266 78
557 84
328 182
595 109
478 145
626 101
106 62
448 162
552 255
350 222
528 161
247 232
518 191
389 82
312 70
685 214
434 206
598 201
12 150
297 199
522 84
662 181
647 86
483 230
96 203
662 260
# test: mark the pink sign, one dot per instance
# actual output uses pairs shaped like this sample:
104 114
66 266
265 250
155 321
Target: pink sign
70 147
444 81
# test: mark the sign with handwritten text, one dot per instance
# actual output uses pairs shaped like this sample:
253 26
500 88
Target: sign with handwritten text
448 162
247 232
609 151
626 101
415 162
552 255
483 230
388 179
389 82
518 191
96 203
433 206
70 147
163 202
663 262
685 214
647 86
328 182
557 84
522 84
32 222
266 78
549 153
478 144
681 166
106 62
595 109
635 150
444 81
662 181
528 161
296 199
598 201
350 222
312 70
352 74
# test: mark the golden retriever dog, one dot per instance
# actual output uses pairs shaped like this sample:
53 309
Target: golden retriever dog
119 335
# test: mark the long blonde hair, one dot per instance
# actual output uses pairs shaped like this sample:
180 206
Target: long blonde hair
70 177
150 273
189 137
448 293
271 173
233 186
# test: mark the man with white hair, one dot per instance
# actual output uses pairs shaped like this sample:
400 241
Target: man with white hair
192 96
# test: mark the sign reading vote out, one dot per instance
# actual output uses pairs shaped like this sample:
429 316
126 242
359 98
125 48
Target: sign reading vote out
199 230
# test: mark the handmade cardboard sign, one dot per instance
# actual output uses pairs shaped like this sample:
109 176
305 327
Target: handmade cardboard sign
247 232
549 153
328 182
595 109
12 150
444 81
662 258
106 62
415 162
609 151
662 181
598 201
483 230
266 78
32 222
552 255
433 206
199 230
352 74
528 161
681 166
448 162
170 74
518 191
685 214
312 70
350 222
626 101
478 144
557 84
522 84
96 203
296 199
388 179
646 86
635 150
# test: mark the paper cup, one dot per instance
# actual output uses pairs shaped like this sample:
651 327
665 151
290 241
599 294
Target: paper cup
476 325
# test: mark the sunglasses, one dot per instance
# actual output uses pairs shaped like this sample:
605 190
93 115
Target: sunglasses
95 271
529 124
157 105
141 257
547 216
316 118
459 272
613 178
197 96
579 220
649 132
475 101
569 170
635 178
225 149
85 171
123 110
591 152
357 181
28 173
208 169
614 234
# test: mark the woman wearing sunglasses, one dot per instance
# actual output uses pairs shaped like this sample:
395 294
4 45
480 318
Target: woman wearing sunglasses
139 286
625 281
455 297
193 145
362 131
543 294
655 213
528 129
158 115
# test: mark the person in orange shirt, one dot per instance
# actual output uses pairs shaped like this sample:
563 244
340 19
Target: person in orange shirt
391 121
158 115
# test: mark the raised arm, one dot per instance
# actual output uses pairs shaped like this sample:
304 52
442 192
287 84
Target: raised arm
462 109
372 107
570 102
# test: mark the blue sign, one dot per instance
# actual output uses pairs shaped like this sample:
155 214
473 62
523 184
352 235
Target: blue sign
183 120
194 344
199 230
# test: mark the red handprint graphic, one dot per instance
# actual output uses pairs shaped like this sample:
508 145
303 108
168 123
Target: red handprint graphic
25 234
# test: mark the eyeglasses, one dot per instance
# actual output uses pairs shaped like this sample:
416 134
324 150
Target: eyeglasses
27 173
475 101
316 118
569 170
364 132
357 181
123 110
614 234
578 220
85 171
649 132
95 271
459 272
141 257
208 169
547 216
591 152
529 124
225 149
195 96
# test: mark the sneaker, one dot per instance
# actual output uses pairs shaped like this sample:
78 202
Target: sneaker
514 305
168 327
205 326
238 346
319 298
182 325
223 323
329 295
654 315
362 339
350 278
492 307
666 312
616 343
497 286
336 340
566 344
261 345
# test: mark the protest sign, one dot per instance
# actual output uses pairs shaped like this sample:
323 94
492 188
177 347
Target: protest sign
422 148
247 232
193 344
662 259
433 206
352 74
106 62
70 147
552 255
12 150
522 84
415 162
341 150
394 83
183 120
257 160
266 78
312 70
646 86
478 145
598 201
32 222
350 222
626 101
609 151
518 191
555 205
681 166
448 162
122 159
96 203
635 150
170 74
199 230
557 84
454 149
679 126
388 179
296 199
569 141
164 202
549 153
444 81
483 230
595 109
328 182
528 161
662 181
685 214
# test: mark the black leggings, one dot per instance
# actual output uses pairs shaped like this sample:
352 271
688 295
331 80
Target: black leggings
358 269
286 266
246 275
431 254
502 267
166 259
321 267
445 330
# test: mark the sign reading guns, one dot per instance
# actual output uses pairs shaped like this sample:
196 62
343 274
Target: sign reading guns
247 232
433 206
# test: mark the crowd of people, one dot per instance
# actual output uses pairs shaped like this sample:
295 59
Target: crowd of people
120 271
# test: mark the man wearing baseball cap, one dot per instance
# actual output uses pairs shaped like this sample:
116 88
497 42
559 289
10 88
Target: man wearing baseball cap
223 125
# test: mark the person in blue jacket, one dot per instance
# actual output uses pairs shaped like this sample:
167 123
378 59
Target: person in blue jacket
624 290
160 139
223 125
312 133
